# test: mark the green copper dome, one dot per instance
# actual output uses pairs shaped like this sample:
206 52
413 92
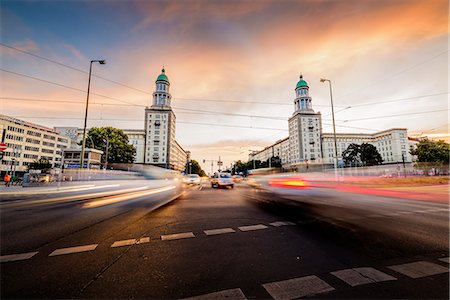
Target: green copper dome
301 83
163 76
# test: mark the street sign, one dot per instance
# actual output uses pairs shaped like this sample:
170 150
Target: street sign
3 146
219 163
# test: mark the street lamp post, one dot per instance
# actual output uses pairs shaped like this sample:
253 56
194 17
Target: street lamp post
83 144
334 128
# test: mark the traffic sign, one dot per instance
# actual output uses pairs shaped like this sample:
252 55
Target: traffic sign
3 146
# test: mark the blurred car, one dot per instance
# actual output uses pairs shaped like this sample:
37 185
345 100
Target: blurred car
192 179
222 180
290 188
237 178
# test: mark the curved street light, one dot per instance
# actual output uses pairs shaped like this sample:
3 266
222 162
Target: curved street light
334 126
83 145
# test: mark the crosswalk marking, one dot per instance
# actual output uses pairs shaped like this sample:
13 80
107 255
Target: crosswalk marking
281 223
445 259
219 231
15 257
177 236
419 269
222 295
297 287
252 227
360 276
70 250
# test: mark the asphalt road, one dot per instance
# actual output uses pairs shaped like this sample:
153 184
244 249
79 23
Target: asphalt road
231 243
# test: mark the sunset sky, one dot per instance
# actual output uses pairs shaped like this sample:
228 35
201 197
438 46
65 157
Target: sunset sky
387 60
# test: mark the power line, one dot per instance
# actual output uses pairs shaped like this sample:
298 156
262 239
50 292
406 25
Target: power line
396 74
135 120
63 85
397 115
72 68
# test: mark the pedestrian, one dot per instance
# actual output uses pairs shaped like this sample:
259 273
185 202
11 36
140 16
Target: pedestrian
7 179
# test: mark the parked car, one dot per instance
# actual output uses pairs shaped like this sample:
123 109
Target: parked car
222 180
192 179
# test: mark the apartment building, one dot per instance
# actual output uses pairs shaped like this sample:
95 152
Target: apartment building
28 142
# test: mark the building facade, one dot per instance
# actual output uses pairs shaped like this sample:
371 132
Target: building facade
305 128
308 145
161 149
155 144
28 142
92 158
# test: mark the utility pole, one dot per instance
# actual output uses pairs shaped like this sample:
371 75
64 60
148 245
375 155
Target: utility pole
334 129
106 153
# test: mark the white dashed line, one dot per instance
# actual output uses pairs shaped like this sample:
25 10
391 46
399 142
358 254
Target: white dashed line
445 259
177 236
226 294
219 231
123 243
297 287
70 250
419 269
281 223
143 240
15 257
360 276
252 227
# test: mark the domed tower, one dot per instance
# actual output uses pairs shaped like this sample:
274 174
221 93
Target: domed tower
161 96
305 128
302 100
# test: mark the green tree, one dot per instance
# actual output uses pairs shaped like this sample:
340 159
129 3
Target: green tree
370 155
352 155
40 164
195 168
431 151
366 154
119 151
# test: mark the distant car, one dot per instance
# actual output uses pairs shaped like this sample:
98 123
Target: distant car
237 178
192 179
222 180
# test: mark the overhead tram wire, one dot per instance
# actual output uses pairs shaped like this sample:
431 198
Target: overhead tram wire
63 85
72 68
396 74
205 100
397 115
137 89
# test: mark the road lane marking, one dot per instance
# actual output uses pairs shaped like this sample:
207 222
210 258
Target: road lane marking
219 231
281 223
252 227
419 269
360 276
15 257
222 295
123 243
445 259
143 240
297 287
70 250
177 236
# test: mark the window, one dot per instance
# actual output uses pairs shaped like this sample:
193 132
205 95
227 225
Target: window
33 141
15 129
14 137
46 136
48 144
29 132
47 151
62 140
